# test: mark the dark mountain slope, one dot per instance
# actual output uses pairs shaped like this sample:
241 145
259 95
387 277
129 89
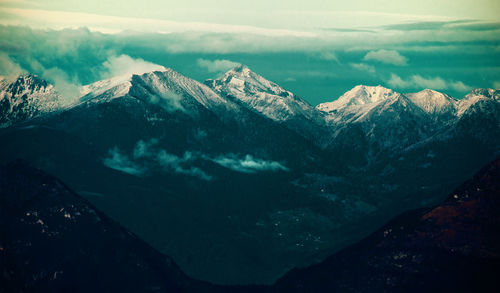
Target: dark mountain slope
52 240
453 247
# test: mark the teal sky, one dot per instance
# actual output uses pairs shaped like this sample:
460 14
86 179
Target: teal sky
317 49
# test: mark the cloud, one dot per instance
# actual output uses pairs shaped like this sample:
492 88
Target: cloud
248 164
363 67
328 56
217 66
387 56
419 82
8 67
126 65
121 162
177 164
147 156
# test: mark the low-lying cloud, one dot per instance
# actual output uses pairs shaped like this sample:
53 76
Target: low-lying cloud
248 164
122 162
147 156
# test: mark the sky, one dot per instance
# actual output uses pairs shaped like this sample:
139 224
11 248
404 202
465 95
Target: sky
316 49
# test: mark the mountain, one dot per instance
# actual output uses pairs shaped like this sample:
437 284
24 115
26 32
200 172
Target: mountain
269 99
26 97
452 247
55 241
359 95
168 88
433 102
374 122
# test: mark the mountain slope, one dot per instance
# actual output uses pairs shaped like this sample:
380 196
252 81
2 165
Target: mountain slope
453 247
55 241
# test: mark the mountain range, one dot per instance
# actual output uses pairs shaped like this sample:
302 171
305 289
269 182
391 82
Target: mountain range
238 179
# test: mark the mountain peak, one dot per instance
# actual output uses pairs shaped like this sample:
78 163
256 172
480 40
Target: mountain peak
26 97
432 101
359 95
241 68
261 95
484 92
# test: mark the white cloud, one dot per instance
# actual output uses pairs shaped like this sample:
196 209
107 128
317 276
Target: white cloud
436 83
126 65
121 162
38 18
420 82
217 66
387 56
459 86
146 155
177 164
248 164
328 56
363 67
8 67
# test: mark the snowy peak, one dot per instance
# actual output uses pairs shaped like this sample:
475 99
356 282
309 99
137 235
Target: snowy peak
486 93
27 84
26 97
166 88
262 95
359 95
433 102
243 79
476 96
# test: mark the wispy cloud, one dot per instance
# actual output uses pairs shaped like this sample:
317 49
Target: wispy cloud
113 24
126 65
248 164
387 56
122 162
146 155
363 67
217 66
419 82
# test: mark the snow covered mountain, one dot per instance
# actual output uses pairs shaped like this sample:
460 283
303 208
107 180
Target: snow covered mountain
168 89
375 120
359 95
26 97
271 100
433 102
262 95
